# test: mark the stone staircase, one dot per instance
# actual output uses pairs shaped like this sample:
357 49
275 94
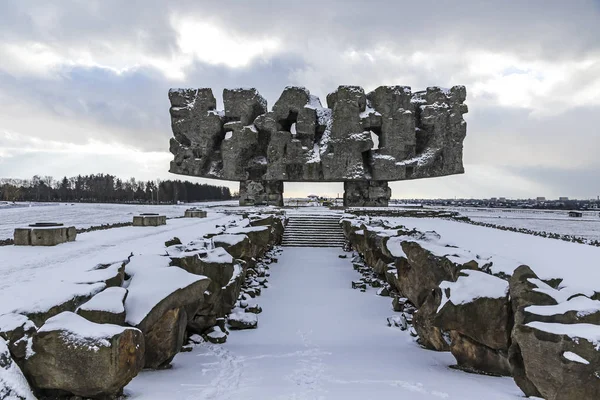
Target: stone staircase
313 230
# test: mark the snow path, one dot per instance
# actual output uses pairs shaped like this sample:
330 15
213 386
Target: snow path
317 339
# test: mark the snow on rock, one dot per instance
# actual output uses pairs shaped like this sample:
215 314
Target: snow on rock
154 281
217 255
216 335
589 332
50 299
145 262
242 320
559 295
81 332
474 285
394 246
247 229
11 321
110 274
82 358
13 385
569 355
110 300
582 305
230 239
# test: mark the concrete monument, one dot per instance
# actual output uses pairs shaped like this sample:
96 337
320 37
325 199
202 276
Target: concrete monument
362 139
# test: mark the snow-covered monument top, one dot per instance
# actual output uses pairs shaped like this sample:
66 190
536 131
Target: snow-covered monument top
419 135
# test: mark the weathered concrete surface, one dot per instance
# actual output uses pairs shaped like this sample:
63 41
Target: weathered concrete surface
194 213
363 139
149 220
44 235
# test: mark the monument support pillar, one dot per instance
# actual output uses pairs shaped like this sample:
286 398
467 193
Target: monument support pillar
261 193
366 194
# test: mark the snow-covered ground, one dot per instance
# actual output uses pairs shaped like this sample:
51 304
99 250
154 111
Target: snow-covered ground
317 339
578 264
33 277
587 227
83 215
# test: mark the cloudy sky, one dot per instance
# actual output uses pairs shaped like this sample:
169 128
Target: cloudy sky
83 84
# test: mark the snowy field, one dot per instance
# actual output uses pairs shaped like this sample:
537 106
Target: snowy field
32 277
83 215
538 220
317 339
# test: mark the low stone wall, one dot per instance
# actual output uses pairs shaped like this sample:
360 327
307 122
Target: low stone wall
451 300
140 313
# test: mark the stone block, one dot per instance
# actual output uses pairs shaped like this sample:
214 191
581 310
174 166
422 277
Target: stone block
44 234
193 213
149 220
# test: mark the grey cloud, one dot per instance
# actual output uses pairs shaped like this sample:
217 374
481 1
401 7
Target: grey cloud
132 108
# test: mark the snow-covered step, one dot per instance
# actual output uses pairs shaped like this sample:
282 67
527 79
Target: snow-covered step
313 231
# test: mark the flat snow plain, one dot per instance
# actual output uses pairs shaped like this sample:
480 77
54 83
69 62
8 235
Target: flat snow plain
317 339
83 215
587 227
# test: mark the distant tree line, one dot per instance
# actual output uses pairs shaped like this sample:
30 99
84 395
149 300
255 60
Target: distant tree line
104 188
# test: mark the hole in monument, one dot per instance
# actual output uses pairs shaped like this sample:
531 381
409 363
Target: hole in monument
375 139
286 124
296 194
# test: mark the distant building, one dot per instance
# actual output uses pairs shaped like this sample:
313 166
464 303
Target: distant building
540 198
502 198
575 214
313 197
563 198
493 199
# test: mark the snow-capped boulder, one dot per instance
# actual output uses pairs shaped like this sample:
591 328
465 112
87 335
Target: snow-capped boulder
260 238
276 223
253 308
216 264
475 309
73 355
57 298
215 335
238 245
523 294
242 320
157 302
226 277
554 354
561 360
16 330
476 305
13 385
421 271
107 307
